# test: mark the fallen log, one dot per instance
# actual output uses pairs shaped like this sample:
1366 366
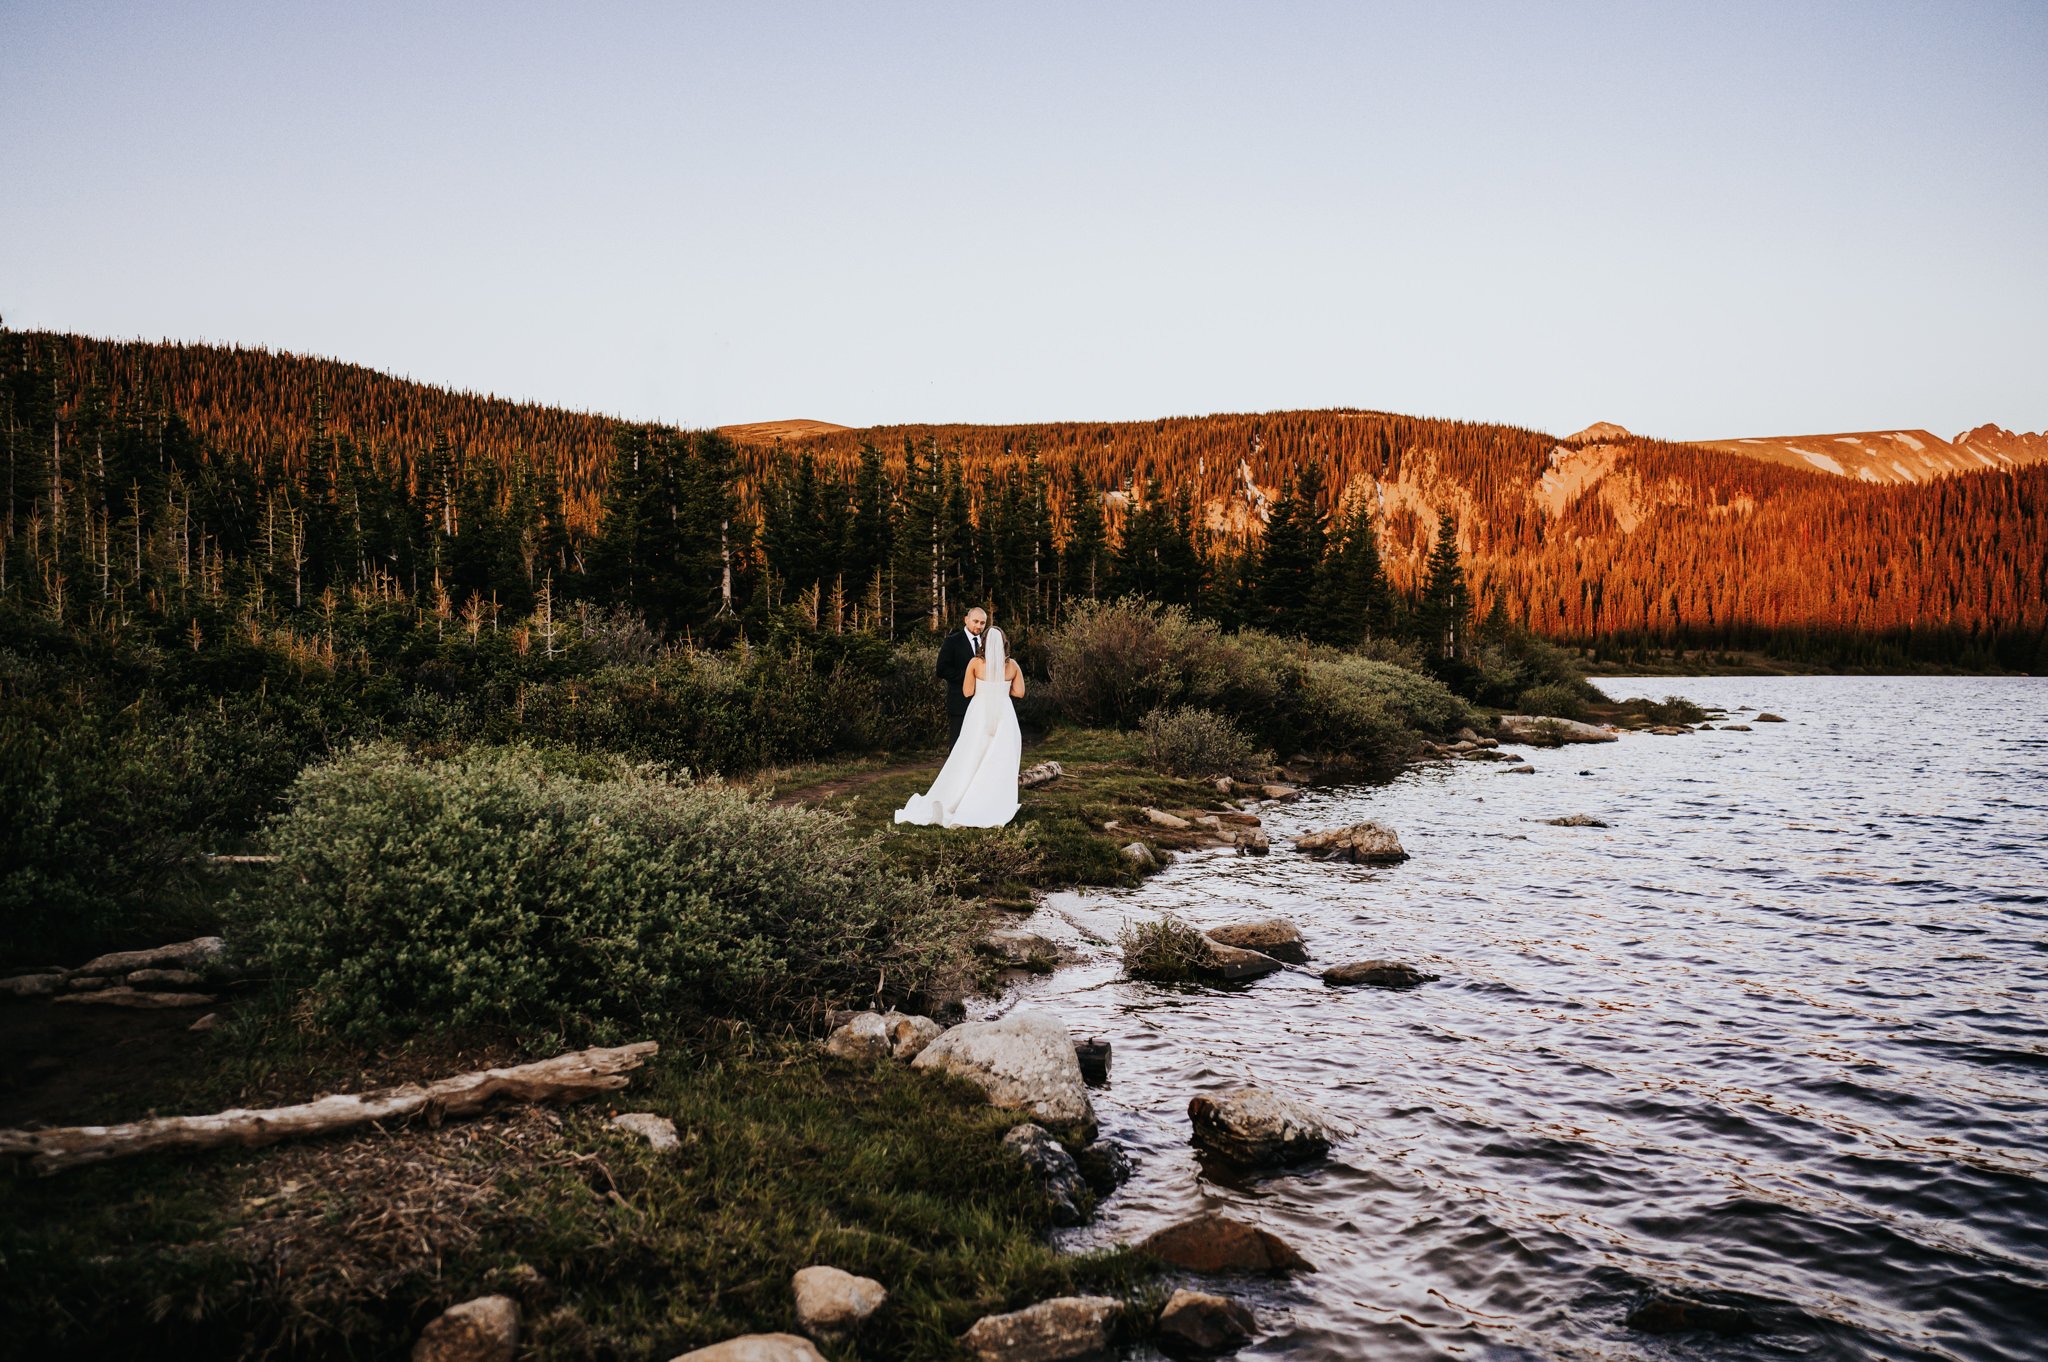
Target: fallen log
565 1078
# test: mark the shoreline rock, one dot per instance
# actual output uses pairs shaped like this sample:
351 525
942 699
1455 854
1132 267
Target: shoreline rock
1376 974
1064 1329
1216 1243
1056 1171
1023 1062
1204 1325
1541 730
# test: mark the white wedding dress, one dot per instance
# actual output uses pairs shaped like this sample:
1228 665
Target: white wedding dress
977 787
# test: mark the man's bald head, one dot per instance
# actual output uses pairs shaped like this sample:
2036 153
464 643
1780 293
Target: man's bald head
977 620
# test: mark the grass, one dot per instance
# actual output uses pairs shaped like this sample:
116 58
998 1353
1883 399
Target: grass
1058 837
345 1246
1168 951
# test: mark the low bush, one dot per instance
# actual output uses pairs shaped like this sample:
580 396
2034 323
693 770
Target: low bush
1555 699
515 887
1369 711
1672 709
1167 951
1189 741
1112 662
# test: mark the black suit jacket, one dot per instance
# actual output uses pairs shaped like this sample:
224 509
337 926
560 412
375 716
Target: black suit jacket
954 655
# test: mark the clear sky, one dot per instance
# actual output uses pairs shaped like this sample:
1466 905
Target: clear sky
1695 219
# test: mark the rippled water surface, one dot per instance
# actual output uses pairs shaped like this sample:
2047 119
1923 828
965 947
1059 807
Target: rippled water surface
1780 1031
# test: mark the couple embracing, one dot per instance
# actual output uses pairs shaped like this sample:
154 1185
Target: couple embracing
977 787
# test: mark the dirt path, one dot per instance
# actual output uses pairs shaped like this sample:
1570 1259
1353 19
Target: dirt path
828 790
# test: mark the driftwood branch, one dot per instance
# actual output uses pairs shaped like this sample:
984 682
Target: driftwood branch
565 1078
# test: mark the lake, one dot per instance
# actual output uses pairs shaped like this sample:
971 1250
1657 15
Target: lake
1779 1031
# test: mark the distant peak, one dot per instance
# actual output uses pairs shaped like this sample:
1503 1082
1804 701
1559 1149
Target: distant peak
1599 433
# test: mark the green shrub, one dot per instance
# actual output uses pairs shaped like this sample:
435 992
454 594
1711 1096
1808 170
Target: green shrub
1113 661
1368 711
510 886
1188 741
1672 709
1167 951
1556 699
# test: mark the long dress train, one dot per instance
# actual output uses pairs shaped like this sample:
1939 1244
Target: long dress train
977 787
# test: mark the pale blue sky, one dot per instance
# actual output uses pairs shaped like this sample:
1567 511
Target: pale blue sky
1697 220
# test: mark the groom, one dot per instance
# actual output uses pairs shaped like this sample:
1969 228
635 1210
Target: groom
961 647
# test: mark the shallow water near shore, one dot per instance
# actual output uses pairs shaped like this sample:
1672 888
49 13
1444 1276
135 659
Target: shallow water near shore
1780 1030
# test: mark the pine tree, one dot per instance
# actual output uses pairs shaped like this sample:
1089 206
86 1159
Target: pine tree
1445 610
1084 558
1353 598
1293 551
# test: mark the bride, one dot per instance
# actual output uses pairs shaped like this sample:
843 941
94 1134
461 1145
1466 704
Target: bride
977 787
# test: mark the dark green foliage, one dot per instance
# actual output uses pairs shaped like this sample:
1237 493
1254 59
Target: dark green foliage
1291 557
505 887
1444 612
1353 599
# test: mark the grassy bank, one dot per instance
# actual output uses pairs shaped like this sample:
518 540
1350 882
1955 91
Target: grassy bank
345 1247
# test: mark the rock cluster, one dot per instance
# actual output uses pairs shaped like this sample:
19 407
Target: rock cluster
1543 731
1366 843
882 1035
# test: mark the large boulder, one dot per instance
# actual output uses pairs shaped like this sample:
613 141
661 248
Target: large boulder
1024 1062
1055 1170
1196 1323
830 1302
756 1348
482 1330
1274 936
1261 1128
1214 1243
1367 843
1065 1329
1375 974
1541 730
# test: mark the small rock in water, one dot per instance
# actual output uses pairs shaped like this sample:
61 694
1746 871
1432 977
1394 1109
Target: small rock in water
756 1348
1367 843
830 1302
1769 718
1251 842
1376 974
1139 855
1065 1329
1260 1128
658 1131
1525 769
1736 728
1055 1170
1204 1325
1214 1243
482 1330
1094 1057
1105 1166
1233 964
1576 820
1279 791
1274 936
1668 1312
